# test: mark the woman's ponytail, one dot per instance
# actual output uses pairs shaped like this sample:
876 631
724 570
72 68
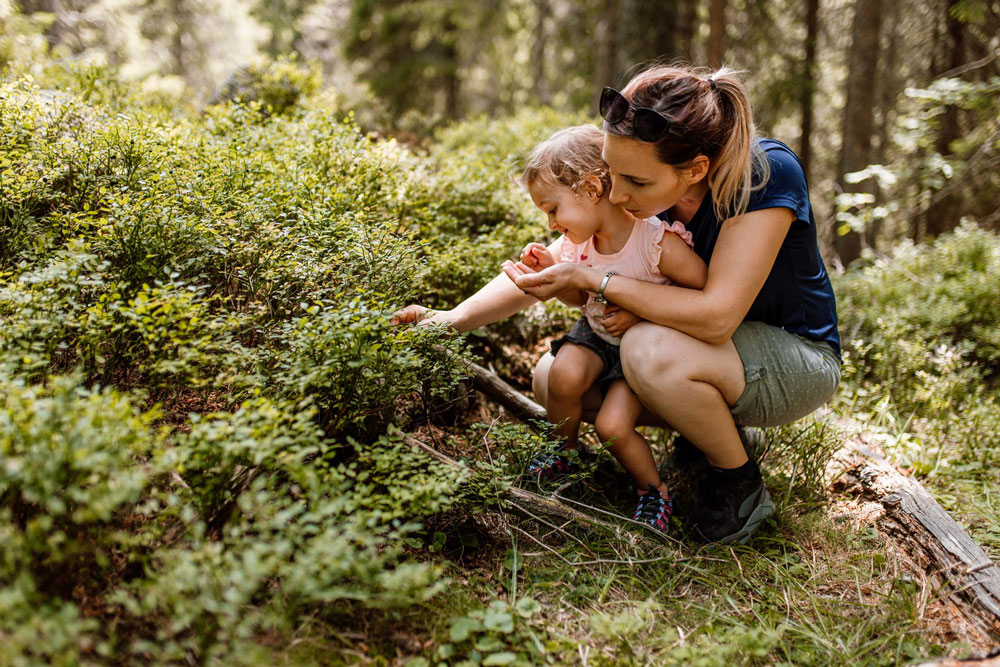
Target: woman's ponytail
739 159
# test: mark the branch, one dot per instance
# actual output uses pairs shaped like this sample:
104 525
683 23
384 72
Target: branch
968 67
494 387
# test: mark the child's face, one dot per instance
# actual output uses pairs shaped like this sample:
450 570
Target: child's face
577 216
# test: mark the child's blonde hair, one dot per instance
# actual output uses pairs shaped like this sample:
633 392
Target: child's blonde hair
567 158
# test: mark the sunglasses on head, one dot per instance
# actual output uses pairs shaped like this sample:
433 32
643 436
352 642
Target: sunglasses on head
647 124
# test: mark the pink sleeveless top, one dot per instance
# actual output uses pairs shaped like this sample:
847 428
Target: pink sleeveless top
639 258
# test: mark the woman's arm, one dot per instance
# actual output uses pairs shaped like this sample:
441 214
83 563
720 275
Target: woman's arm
741 262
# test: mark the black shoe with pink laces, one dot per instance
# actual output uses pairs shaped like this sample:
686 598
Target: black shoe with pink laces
654 509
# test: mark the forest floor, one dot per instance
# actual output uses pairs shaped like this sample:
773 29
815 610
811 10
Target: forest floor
820 583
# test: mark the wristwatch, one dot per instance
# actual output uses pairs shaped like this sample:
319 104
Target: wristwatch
599 298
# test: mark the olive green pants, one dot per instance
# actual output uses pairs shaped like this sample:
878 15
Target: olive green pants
787 376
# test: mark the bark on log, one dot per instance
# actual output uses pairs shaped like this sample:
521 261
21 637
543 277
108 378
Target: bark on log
494 387
935 541
991 659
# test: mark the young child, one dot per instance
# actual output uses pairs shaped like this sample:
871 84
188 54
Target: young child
568 180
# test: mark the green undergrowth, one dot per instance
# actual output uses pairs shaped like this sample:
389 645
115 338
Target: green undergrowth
204 453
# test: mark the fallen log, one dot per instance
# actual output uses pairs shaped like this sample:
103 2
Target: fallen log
934 541
499 391
990 659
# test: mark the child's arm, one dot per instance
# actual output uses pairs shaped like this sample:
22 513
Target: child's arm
680 263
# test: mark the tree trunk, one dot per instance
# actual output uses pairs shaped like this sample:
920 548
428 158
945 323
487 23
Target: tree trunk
944 214
858 125
606 72
687 28
540 87
178 13
716 32
889 86
646 32
449 76
808 84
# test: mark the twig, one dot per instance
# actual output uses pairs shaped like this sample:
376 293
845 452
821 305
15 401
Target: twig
486 440
558 530
657 533
514 494
596 561
968 67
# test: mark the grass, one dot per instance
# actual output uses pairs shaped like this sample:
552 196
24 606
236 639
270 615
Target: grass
816 586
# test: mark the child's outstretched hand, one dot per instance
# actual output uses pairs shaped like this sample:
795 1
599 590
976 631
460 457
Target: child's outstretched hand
416 314
536 257
616 320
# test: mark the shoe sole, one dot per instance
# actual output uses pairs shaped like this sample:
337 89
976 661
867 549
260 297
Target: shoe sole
763 509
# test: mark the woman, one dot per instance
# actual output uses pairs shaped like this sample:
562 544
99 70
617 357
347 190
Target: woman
758 346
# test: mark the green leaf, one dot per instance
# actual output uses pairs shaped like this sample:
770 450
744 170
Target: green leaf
527 607
498 620
501 658
461 627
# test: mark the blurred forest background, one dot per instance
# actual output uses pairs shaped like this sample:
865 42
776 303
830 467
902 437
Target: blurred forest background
908 86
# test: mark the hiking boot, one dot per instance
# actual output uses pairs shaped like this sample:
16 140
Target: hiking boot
549 465
732 506
654 509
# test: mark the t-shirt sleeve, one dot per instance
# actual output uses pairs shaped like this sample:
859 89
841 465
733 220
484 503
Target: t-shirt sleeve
787 186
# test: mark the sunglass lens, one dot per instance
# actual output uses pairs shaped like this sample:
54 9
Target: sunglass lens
614 106
649 125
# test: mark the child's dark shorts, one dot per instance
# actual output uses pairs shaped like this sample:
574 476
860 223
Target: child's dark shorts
610 355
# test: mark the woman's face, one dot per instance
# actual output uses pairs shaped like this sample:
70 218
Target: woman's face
640 183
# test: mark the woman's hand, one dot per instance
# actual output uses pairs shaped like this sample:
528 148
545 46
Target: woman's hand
616 320
416 314
537 257
556 279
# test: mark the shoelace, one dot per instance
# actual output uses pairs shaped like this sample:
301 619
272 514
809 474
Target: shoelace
550 464
654 509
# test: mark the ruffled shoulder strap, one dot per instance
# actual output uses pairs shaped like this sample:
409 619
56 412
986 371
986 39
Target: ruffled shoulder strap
653 230
678 228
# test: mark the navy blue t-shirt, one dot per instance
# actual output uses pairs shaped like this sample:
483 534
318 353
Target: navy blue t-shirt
797 294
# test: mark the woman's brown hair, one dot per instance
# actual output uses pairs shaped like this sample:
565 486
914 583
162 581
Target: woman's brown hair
711 109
